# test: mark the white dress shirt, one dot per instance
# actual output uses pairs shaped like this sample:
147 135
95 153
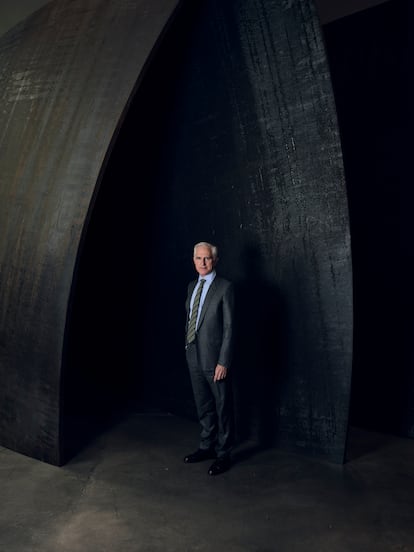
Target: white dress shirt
208 281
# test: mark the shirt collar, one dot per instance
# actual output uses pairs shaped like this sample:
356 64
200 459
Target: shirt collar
208 277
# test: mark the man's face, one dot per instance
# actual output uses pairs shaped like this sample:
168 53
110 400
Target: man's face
203 260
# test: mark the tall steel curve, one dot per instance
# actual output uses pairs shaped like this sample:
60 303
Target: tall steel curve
67 75
255 132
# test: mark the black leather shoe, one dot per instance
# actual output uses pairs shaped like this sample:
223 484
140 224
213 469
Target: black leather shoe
219 466
199 455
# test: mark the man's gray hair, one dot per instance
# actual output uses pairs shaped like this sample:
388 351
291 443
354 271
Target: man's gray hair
213 248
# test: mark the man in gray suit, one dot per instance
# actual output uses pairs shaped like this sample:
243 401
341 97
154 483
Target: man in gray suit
209 346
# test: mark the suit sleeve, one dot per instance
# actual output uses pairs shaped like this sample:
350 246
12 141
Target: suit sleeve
226 351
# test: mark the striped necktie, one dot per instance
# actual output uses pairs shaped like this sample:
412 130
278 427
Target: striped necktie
193 319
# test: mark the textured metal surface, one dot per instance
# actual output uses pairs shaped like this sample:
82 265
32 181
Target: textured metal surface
238 145
366 75
65 79
254 164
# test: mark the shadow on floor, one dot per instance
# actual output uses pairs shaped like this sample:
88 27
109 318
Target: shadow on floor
362 442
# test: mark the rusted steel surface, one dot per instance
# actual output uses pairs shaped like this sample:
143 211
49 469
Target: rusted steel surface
255 165
240 147
66 75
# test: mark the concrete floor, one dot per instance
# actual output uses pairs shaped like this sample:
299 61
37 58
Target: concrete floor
129 491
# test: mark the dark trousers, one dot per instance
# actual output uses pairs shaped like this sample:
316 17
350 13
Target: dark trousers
214 406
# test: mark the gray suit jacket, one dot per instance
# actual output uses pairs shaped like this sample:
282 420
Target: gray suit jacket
214 339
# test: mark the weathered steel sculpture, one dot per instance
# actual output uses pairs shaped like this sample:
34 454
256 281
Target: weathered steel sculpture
67 74
255 165
246 154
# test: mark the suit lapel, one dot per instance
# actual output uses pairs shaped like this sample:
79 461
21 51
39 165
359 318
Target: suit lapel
190 293
211 291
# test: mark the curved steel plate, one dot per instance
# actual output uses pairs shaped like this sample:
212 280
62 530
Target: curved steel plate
67 74
254 164
248 155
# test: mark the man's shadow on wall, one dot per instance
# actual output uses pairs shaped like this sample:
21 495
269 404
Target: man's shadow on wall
260 356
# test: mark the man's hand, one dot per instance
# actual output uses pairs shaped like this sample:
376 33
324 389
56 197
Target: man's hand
220 373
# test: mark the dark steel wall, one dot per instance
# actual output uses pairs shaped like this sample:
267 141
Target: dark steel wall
231 137
250 158
369 76
66 76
